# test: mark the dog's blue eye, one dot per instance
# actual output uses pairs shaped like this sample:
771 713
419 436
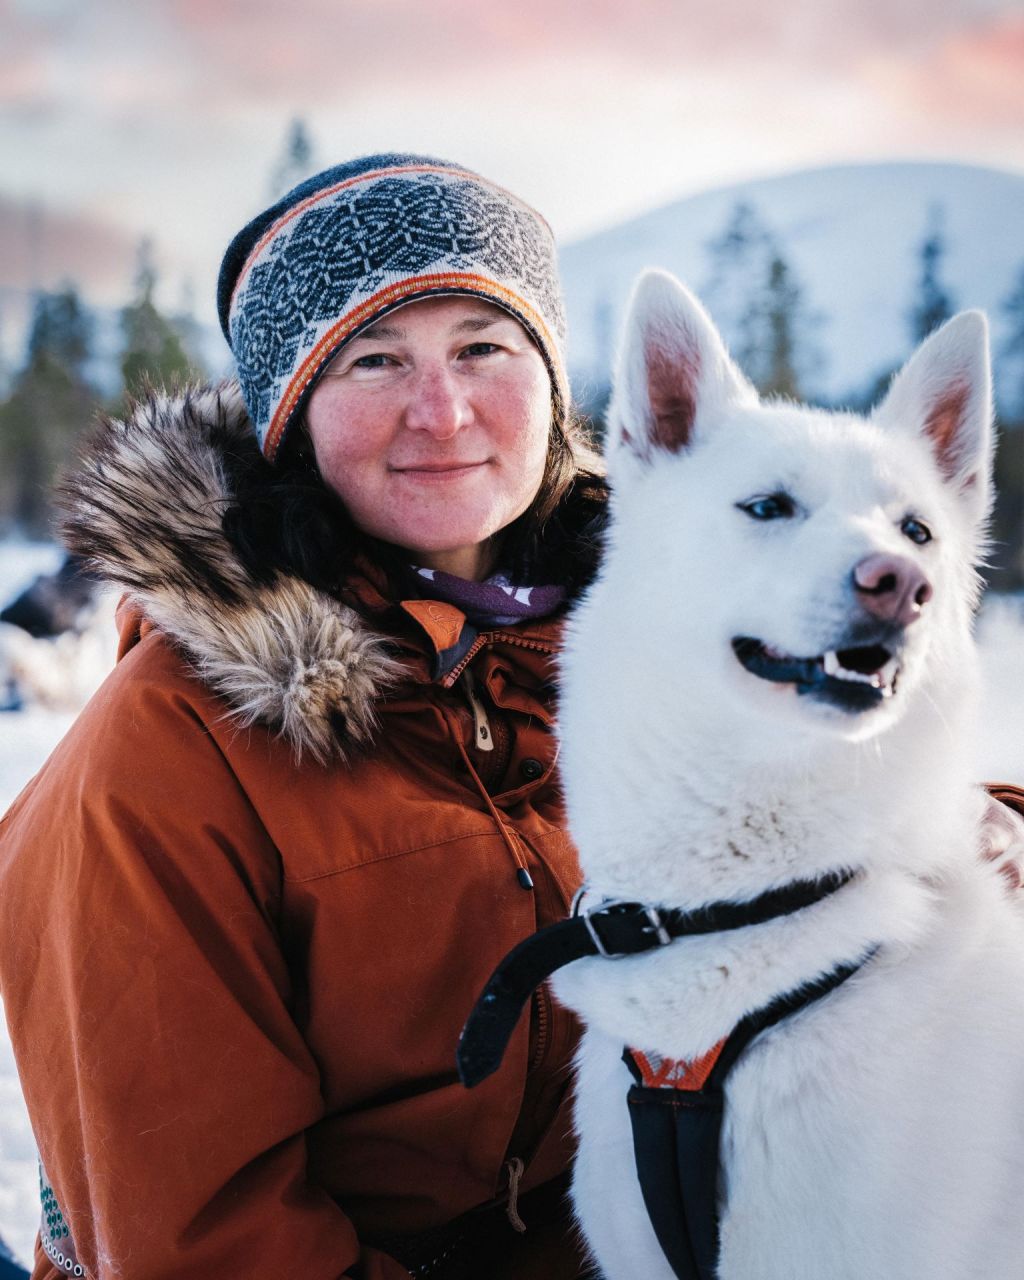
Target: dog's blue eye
774 506
916 530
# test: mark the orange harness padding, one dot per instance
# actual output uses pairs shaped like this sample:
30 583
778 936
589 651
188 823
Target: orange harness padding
657 1072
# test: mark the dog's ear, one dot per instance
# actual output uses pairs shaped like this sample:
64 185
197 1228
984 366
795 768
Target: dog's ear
672 369
944 393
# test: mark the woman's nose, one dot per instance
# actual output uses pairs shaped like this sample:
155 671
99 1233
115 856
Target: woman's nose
437 403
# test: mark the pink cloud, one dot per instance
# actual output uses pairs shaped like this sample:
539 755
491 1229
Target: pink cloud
975 77
24 75
333 50
198 58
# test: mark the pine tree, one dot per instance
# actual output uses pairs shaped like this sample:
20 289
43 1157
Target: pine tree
759 305
1012 349
50 403
189 330
5 368
153 351
739 257
933 304
779 350
775 372
296 162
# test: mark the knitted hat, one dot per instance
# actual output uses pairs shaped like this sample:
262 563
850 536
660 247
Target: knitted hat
356 241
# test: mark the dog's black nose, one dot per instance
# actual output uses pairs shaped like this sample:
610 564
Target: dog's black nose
892 588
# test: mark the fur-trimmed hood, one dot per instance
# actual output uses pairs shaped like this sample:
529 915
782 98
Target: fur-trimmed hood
145 508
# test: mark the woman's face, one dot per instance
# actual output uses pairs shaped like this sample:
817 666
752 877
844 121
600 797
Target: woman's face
432 427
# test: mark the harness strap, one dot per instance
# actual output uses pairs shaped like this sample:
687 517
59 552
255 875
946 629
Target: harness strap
613 929
676 1114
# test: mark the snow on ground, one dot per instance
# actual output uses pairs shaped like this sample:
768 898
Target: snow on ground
27 737
1000 753
22 562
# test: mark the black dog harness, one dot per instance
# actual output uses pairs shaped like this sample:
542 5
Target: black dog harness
675 1108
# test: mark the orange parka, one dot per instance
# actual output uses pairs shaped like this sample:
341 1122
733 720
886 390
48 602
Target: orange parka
249 901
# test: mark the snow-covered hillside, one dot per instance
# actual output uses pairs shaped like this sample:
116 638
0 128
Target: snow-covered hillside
851 234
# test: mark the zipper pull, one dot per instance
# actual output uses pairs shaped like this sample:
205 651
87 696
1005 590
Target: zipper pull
481 725
516 1169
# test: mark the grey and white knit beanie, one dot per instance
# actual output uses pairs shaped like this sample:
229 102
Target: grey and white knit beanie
361 239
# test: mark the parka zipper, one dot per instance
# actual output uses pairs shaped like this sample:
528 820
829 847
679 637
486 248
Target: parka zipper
543 1005
490 637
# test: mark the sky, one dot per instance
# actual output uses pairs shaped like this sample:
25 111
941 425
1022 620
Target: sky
165 118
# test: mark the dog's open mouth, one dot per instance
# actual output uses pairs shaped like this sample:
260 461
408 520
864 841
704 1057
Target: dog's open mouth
854 679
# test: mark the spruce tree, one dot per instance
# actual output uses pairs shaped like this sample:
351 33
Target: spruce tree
1012 349
933 304
50 403
757 301
739 259
296 162
776 372
153 353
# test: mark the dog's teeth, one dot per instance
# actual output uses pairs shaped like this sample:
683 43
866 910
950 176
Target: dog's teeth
882 679
887 676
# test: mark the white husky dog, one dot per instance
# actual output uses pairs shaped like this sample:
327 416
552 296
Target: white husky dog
773 679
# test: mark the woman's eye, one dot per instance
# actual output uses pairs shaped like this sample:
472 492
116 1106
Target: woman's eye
375 361
772 506
480 349
916 530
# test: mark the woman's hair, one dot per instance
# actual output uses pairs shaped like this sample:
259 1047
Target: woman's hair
285 519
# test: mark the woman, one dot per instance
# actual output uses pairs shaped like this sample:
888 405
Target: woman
314 804
248 903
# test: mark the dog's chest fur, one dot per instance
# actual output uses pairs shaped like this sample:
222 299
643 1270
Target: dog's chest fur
877 1135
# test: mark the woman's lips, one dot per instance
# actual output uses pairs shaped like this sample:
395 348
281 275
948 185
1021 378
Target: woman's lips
441 471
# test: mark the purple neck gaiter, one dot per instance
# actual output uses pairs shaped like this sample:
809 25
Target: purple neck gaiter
494 602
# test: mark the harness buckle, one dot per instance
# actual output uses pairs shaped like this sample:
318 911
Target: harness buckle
654 924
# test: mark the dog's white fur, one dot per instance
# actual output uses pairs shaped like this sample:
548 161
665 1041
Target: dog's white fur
880 1132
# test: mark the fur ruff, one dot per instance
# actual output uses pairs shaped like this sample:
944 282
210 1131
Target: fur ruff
145 508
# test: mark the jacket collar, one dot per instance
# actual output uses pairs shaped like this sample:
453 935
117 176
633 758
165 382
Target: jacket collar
145 509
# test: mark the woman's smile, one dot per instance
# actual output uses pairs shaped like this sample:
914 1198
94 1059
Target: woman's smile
441 470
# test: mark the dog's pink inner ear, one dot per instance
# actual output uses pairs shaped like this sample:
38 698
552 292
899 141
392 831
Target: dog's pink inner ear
943 423
672 390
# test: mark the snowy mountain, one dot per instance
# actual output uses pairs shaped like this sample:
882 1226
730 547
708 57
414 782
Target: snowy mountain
852 234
